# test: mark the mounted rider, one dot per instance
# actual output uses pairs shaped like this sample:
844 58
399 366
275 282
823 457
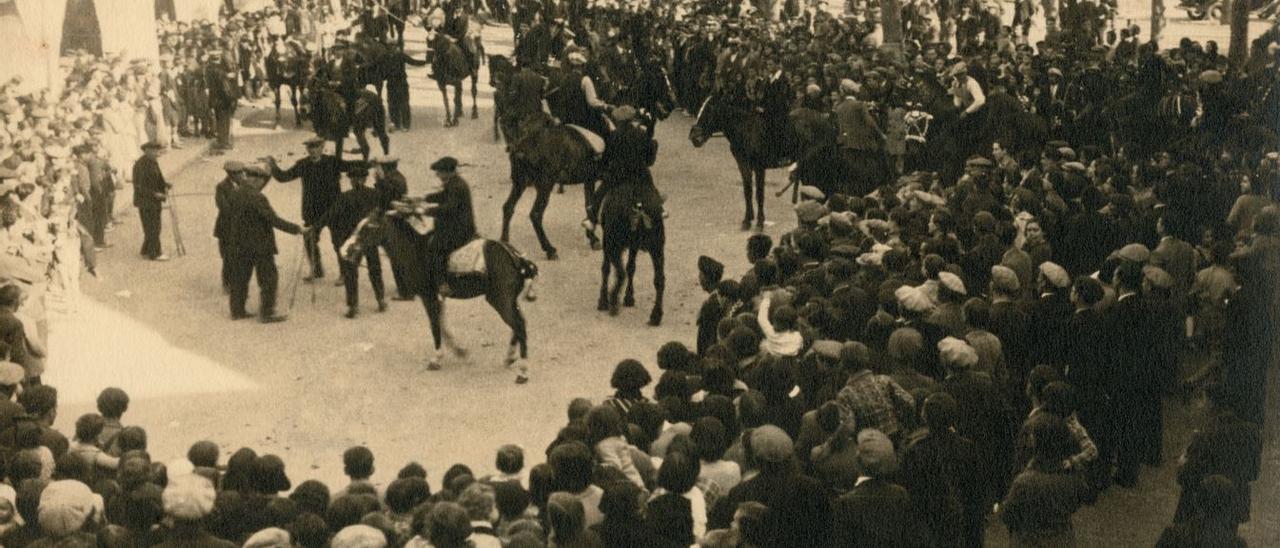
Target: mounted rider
574 99
628 154
455 223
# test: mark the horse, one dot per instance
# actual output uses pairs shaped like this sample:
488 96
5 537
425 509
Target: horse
501 283
333 118
500 68
749 139
542 155
450 65
829 167
287 64
628 227
651 93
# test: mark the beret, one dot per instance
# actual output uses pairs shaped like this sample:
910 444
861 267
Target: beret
771 444
271 537
388 159
1004 279
1067 153
1056 144
623 113
359 536
811 192
1054 71
232 166
314 140
827 349
957 353
1073 166
710 267
978 161
875 453
1157 276
152 145
64 507
447 164
843 219
809 211
952 282
1055 274
188 497
11 373
1136 253
847 85
912 299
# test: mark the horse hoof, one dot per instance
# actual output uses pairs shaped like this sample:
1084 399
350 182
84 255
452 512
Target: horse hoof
746 225
613 308
595 245
655 319
433 365
475 115
602 305
552 255
628 301
759 226
459 352
522 379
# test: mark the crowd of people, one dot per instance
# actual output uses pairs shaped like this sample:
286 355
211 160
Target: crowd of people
996 341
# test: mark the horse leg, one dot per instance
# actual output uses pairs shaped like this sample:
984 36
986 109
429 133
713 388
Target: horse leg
507 303
588 196
629 298
475 111
447 337
619 275
745 172
293 99
457 102
448 117
657 254
276 124
435 315
603 302
509 207
535 216
364 144
759 184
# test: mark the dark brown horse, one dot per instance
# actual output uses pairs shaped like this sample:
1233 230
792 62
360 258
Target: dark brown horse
451 64
749 141
506 272
631 227
332 118
288 64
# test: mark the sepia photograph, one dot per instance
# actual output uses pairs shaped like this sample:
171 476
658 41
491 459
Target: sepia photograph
639 273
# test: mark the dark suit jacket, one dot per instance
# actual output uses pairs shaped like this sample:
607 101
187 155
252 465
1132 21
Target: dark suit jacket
222 193
320 187
940 472
1129 355
1049 318
13 334
346 213
858 130
800 513
455 221
147 182
875 513
252 223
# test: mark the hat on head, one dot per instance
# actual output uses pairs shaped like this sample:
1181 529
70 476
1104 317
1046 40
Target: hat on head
232 166
1055 274
623 113
447 164
913 299
1157 276
1073 166
64 507
811 192
957 353
1056 144
957 69
271 537
809 211
152 145
255 170
828 349
576 57
1004 279
11 373
314 140
1135 253
875 453
189 497
770 444
1066 153
1053 71
386 159
710 268
359 536
847 85
952 282
978 161
1210 77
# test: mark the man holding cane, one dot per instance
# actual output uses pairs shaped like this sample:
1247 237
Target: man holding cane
320 175
251 246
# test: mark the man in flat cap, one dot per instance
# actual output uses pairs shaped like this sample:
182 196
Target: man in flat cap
251 245
223 96
455 223
221 194
1136 389
150 190
320 175
341 219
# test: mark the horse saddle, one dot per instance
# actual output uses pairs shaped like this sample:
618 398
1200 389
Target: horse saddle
468 259
596 142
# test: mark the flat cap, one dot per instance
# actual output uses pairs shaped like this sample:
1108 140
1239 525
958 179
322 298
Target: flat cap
1004 279
232 166
1056 275
446 164
1136 253
952 282
313 141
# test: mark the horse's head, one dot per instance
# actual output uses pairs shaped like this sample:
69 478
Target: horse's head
369 233
713 117
500 70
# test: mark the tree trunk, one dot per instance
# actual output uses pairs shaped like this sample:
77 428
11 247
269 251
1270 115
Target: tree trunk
1157 20
891 22
1238 52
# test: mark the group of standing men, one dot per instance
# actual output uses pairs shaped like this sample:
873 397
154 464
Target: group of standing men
245 223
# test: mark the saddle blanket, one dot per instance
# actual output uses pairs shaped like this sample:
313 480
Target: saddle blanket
468 259
596 141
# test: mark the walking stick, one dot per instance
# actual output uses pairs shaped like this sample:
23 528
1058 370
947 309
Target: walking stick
179 248
297 275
